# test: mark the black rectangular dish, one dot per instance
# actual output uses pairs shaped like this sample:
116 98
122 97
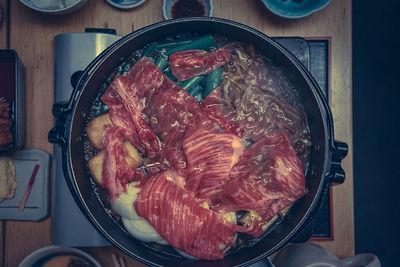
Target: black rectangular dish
12 102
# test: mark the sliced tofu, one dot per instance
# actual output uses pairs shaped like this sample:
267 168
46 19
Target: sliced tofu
95 129
133 157
95 164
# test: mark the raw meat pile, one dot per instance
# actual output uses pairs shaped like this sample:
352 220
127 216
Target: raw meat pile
203 161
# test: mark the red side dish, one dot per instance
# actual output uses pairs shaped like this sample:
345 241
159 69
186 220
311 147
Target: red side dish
5 123
197 168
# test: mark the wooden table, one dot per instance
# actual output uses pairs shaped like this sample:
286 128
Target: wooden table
32 35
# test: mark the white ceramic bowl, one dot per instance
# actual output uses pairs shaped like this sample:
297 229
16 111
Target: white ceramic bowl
53 10
126 4
46 251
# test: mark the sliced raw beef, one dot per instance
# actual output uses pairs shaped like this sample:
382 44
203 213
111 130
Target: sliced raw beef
172 112
172 150
121 118
172 108
190 63
171 154
210 157
135 89
268 178
214 108
179 219
116 172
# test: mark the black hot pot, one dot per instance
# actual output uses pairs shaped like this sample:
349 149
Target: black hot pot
324 166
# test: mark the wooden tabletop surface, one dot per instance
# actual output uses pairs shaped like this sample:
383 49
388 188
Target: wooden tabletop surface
32 36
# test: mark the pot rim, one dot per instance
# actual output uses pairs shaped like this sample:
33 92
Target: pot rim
96 63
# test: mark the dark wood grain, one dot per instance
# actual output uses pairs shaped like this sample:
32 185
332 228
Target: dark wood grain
4 16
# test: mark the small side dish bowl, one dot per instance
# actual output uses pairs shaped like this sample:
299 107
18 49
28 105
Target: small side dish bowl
125 4
54 7
52 253
294 9
207 6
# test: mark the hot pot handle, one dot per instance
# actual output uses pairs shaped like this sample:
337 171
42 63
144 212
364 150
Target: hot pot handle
337 174
57 134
